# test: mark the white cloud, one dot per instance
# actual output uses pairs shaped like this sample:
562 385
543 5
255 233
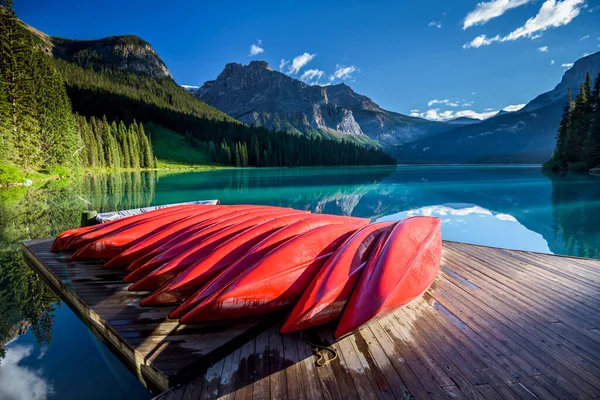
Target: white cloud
282 64
21 383
259 41
255 49
543 49
312 74
189 87
486 11
481 40
488 109
552 14
594 9
552 62
467 104
585 37
437 24
435 114
567 65
513 107
445 101
342 72
299 62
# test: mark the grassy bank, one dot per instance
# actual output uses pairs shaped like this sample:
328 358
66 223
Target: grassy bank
171 150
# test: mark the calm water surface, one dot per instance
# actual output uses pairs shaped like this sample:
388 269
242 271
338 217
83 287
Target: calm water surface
47 352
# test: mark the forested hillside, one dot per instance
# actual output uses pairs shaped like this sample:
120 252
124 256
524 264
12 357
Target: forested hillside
68 104
38 130
578 137
122 95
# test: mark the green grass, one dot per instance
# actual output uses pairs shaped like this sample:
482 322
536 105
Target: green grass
173 151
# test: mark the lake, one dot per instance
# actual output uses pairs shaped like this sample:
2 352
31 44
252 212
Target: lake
48 352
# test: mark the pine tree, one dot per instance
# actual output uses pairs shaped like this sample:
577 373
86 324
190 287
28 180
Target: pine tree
579 129
6 143
563 130
134 147
123 145
147 160
592 146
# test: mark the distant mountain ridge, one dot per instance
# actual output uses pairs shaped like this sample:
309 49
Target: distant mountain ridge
524 136
258 95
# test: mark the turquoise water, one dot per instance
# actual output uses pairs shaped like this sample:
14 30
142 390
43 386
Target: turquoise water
55 356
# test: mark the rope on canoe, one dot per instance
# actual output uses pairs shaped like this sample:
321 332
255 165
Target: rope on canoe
319 350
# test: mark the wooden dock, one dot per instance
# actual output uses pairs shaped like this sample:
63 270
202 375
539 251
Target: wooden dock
495 324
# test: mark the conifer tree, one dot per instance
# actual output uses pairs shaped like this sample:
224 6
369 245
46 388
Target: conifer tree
147 160
123 145
592 146
563 130
6 143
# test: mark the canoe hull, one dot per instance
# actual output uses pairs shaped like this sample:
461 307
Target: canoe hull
400 269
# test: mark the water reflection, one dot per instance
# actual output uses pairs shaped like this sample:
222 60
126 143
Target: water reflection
517 208
18 382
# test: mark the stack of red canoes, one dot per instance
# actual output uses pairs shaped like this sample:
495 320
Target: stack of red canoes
216 262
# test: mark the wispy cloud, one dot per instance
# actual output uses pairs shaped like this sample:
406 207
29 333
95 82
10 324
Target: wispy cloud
594 9
552 14
486 11
282 64
312 75
256 49
447 102
552 62
543 49
566 65
584 37
342 72
481 40
513 107
299 62
436 24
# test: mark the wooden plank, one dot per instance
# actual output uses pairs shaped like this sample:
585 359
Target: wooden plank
160 351
496 324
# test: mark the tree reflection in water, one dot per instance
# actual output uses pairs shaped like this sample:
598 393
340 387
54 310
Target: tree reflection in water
42 211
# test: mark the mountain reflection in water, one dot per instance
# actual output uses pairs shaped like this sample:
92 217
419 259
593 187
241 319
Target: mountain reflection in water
46 351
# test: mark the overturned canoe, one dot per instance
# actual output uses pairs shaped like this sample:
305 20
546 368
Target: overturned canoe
324 299
155 278
199 273
401 267
75 242
275 282
187 240
115 243
255 254
143 249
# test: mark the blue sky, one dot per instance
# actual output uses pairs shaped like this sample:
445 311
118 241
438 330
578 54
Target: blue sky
434 58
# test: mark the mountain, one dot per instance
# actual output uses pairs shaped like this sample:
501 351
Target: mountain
258 95
524 136
463 121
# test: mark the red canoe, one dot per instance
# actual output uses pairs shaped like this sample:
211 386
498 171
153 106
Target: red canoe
154 277
115 243
255 254
62 240
199 273
324 299
400 269
78 241
139 250
275 282
189 239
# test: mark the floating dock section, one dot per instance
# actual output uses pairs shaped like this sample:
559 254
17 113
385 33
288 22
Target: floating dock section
496 324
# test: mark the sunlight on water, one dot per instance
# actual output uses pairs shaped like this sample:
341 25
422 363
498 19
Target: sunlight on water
48 353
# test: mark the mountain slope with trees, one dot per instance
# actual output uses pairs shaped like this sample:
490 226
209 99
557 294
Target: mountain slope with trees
578 137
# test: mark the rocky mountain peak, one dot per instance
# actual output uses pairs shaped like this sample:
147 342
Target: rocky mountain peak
124 53
258 95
